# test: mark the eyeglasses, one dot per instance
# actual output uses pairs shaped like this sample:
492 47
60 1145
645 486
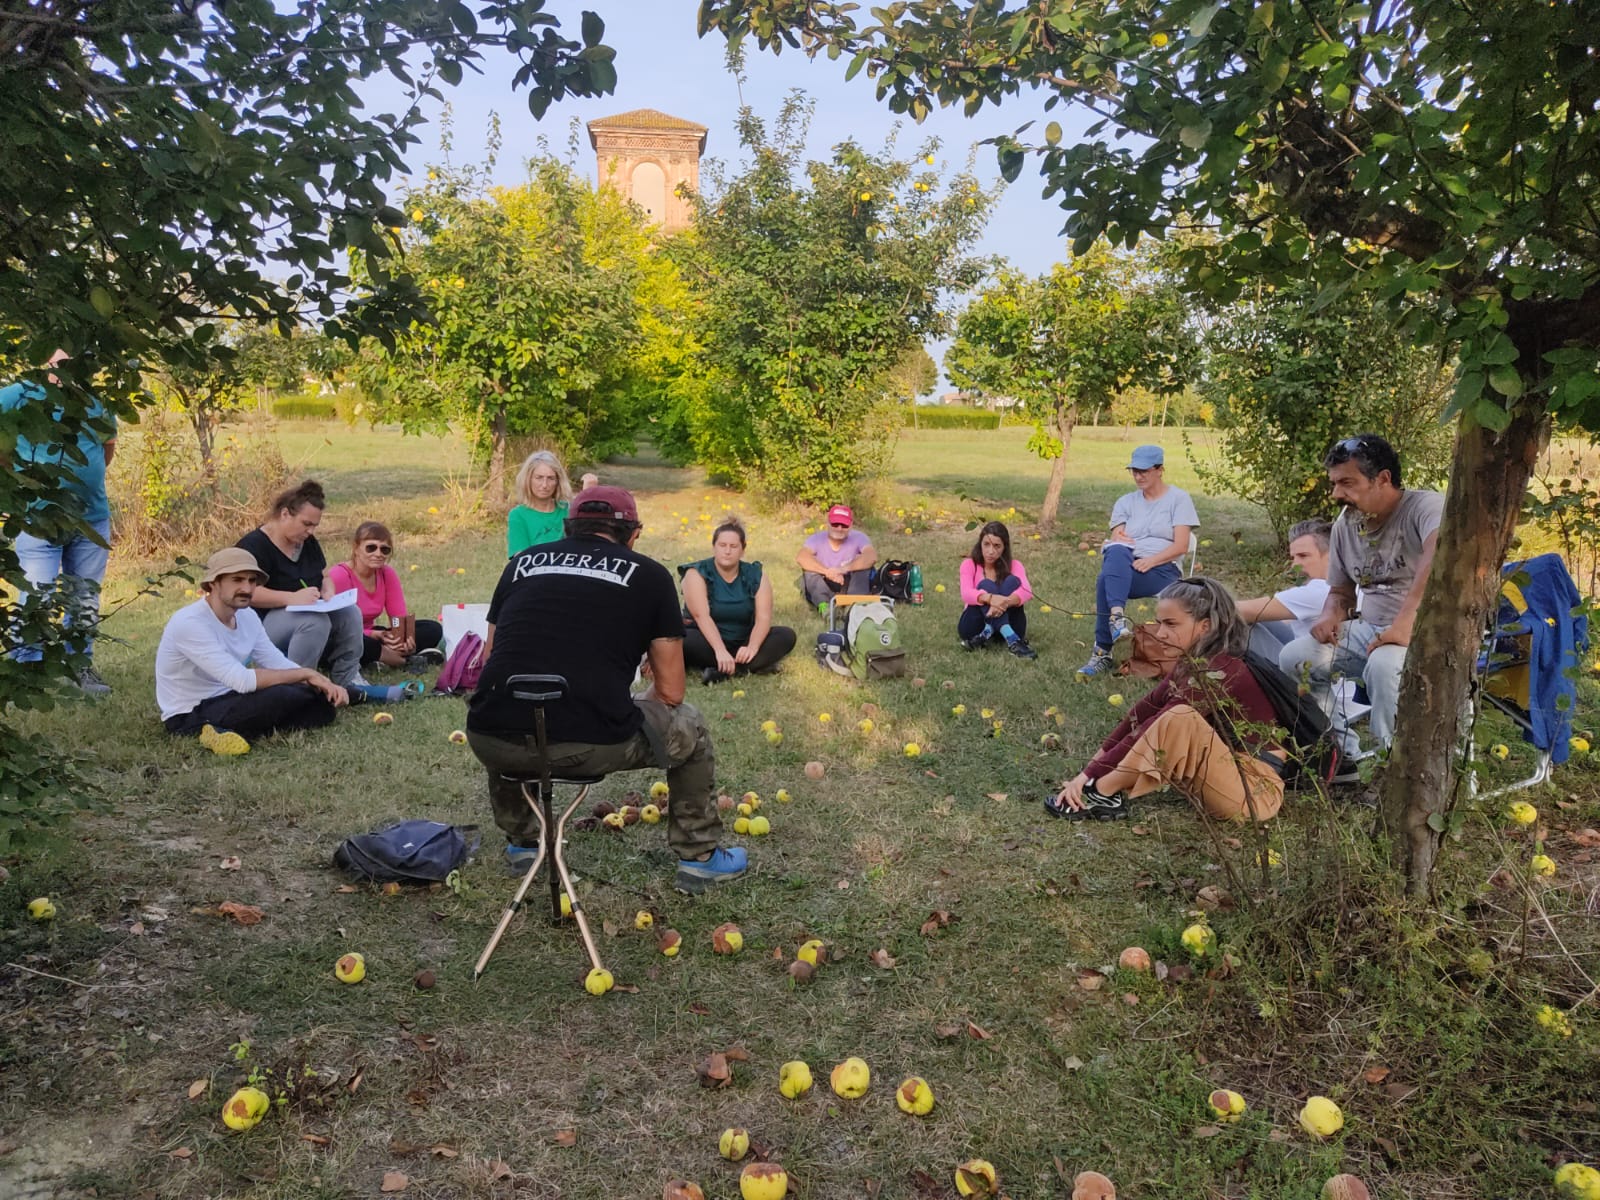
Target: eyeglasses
378 548
840 524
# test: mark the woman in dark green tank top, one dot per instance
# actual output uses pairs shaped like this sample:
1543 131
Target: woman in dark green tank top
729 629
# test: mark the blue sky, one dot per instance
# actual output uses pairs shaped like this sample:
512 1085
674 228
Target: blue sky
662 64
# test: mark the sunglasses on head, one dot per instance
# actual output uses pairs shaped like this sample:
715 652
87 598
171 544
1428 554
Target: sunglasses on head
1352 445
378 548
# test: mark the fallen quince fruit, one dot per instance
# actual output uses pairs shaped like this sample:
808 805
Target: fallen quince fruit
1226 1105
598 981
742 825
726 939
760 826
774 738
457 738
824 718
1578 745
42 909
643 919
1542 864
1115 699
914 1096
1321 1118
1348 1187
744 810
1500 750
912 750
245 1108
783 796
769 727
850 1078
351 968
977 1177
1199 939
753 799
1134 958
1552 1018
794 1079
1575 1181
986 713
383 718
960 710
738 694
682 1189
865 725
614 820
815 770
1091 1185
650 814
659 790
734 1144
763 1181
811 951
670 942
1522 813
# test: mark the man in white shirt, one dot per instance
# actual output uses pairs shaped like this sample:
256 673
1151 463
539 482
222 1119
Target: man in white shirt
1278 619
218 675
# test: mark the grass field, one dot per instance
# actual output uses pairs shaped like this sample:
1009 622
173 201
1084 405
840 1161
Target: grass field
127 1021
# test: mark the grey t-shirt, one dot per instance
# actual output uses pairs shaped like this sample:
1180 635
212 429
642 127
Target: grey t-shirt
1150 522
1383 562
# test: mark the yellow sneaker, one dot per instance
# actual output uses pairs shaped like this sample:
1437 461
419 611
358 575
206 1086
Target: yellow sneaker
226 743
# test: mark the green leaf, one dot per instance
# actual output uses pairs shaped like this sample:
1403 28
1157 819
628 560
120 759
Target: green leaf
1492 415
1201 23
593 28
1506 381
1195 136
102 301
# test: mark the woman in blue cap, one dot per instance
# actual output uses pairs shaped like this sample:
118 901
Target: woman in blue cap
1150 532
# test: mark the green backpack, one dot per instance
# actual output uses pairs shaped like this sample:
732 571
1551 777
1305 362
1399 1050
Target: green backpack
873 636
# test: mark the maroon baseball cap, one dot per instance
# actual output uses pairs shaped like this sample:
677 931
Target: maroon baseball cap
840 514
604 503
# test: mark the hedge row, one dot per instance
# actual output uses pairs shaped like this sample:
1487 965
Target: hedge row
928 417
305 408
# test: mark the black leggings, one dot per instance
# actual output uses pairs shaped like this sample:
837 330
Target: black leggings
698 655
256 714
429 635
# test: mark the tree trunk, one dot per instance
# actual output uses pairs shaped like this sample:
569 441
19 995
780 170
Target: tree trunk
497 454
1066 418
1488 477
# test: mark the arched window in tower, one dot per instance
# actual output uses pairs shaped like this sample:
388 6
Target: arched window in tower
650 190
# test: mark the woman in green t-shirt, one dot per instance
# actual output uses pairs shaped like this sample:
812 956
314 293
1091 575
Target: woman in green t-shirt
544 489
729 601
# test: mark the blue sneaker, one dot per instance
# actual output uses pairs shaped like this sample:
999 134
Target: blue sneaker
725 863
1121 627
1100 663
519 857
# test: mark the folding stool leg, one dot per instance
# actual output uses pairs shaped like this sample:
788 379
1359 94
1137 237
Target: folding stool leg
566 880
527 880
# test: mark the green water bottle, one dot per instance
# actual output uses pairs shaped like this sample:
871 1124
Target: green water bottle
916 584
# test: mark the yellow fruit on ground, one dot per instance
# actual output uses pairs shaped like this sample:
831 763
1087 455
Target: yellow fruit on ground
814 770
1522 813
726 939
1226 1105
383 718
959 710
768 726
245 1108
851 1078
1320 1117
912 750
939 587
744 810
457 738
810 951
643 920
566 905
738 694
670 942
1578 745
914 1096
865 725
760 826
1199 939
598 981
986 713
614 820
1576 1181
650 814
1500 750
824 718
977 1177
659 789
794 1079
742 825
1115 699
774 738
734 1144
763 1181
42 909
783 796
682 1189
1542 864
351 968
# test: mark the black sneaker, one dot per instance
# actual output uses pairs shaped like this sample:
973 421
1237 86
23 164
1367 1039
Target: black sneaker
1022 650
973 643
1098 807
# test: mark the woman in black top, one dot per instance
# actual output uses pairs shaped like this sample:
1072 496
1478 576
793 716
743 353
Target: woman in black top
286 549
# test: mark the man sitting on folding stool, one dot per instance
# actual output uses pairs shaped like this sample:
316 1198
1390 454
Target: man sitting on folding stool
589 608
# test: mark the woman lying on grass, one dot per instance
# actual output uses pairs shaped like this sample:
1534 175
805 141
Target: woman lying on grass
1207 729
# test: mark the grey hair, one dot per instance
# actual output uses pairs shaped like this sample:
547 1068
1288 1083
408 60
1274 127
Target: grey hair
1315 528
1204 599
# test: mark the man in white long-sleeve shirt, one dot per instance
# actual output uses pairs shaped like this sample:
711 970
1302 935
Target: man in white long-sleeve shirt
219 677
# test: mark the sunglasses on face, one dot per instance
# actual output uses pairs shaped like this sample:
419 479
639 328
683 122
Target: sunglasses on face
378 548
840 524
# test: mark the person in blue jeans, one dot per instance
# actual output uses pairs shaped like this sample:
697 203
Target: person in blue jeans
1150 531
994 587
80 559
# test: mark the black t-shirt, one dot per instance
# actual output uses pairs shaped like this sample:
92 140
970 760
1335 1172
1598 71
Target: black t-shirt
584 608
285 574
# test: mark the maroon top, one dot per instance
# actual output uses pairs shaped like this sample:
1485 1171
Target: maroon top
1223 683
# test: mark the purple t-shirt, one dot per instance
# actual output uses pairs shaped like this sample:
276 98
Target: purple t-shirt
820 545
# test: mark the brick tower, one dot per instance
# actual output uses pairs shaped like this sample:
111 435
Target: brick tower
646 156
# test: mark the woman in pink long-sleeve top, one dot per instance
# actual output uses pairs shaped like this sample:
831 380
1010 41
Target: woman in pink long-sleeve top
994 588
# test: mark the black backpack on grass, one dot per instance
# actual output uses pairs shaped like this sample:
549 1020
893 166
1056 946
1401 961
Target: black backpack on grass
408 852
893 579
1313 754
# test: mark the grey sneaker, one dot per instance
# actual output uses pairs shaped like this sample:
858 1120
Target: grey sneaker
90 683
1100 663
1121 627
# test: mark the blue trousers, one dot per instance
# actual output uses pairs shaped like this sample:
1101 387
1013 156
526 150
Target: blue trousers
975 616
81 561
1119 582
